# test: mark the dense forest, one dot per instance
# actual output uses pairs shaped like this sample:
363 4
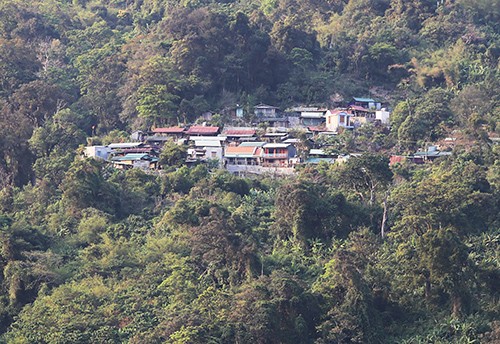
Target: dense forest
360 252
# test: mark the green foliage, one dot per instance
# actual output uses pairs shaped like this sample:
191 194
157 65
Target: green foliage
85 186
172 155
197 255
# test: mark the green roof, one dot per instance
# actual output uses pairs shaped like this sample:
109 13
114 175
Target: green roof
364 100
318 160
132 157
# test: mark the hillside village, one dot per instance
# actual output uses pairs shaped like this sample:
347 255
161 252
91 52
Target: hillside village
275 142
250 171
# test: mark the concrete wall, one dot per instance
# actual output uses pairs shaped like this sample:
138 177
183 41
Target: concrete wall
244 170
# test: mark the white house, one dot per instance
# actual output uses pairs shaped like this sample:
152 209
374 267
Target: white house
383 116
338 118
97 152
208 147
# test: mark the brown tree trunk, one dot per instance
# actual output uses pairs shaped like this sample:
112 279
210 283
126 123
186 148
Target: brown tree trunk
384 217
427 287
456 305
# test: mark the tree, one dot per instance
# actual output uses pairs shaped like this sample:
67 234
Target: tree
349 315
157 105
172 155
444 260
306 211
366 175
85 186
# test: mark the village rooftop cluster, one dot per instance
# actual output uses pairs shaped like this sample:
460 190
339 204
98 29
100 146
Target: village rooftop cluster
267 146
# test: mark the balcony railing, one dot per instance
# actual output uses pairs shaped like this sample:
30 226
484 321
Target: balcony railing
275 156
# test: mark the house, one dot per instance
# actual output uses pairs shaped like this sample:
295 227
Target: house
252 144
278 155
200 130
338 118
138 135
239 112
117 147
239 134
135 160
97 152
122 147
144 150
242 155
310 116
367 103
207 115
430 155
266 111
208 148
173 132
161 135
157 141
383 116
313 131
275 122
319 155
197 140
274 137
360 115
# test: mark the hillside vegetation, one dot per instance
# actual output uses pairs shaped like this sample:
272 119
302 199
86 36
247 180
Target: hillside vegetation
360 252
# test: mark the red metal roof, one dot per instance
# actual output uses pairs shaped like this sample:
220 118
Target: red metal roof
201 130
316 128
396 159
170 130
240 150
358 108
337 111
239 132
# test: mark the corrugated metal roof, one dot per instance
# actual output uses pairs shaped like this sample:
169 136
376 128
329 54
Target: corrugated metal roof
241 150
358 108
239 132
124 145
138 150
198 129
318 160
313 115
432 154
202 143
305 109
275 134
313 128
316 152
276 145
169 130
208 138
336 112
363 100
252 144
131 157
264 106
